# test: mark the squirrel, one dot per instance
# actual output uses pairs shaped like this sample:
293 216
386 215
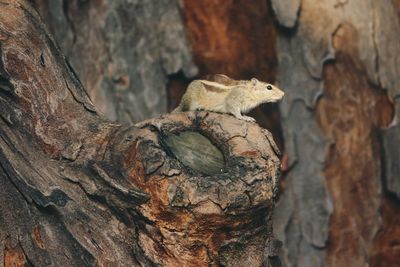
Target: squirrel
222 94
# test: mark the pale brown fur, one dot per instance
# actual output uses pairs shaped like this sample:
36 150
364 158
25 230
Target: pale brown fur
225 95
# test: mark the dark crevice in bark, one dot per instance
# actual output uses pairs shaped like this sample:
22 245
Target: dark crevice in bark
175 87
6 86
392 197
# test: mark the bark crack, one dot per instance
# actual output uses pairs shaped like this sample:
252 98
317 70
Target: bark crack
29 202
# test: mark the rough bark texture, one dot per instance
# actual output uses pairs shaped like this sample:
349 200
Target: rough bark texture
124 51
337 60
339 64
80 190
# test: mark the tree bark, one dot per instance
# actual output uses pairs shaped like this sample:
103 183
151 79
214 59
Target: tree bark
80 190
337 62
339 66
124 51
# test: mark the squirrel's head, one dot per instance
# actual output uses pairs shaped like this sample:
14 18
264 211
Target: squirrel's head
266 91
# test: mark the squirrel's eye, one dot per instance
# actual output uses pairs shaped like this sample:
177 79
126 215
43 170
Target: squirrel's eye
269 87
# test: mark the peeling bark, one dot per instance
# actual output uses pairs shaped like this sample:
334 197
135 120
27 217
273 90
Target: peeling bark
341 89
80 190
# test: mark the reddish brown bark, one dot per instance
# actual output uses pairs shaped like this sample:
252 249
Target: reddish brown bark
233 37
386 248
350 113
14 255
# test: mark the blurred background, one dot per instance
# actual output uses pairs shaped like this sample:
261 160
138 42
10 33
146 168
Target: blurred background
338 62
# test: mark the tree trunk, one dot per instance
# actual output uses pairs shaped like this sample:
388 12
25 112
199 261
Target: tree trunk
189 189
339 65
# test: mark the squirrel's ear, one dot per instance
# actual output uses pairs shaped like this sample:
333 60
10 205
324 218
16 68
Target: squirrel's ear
254 81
